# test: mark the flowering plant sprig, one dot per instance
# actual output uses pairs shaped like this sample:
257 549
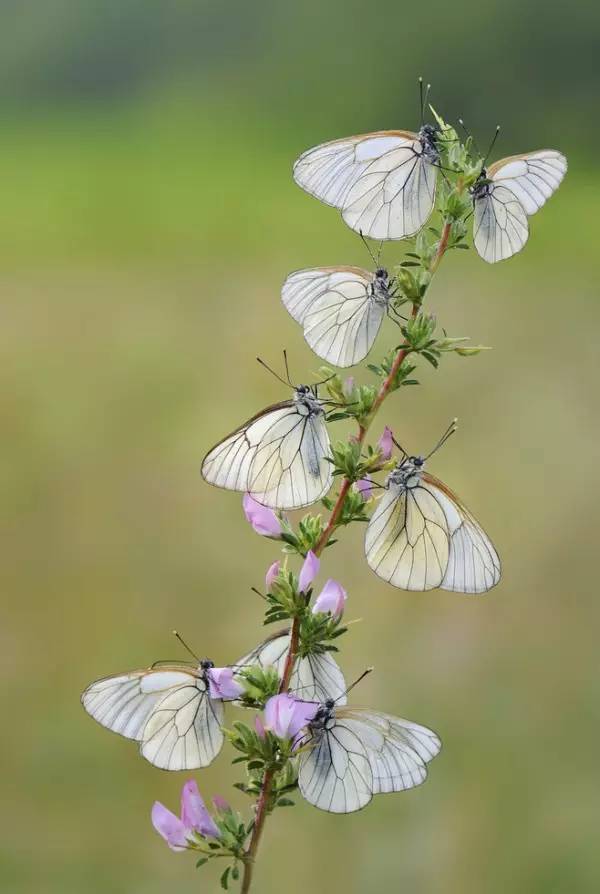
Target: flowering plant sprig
422 188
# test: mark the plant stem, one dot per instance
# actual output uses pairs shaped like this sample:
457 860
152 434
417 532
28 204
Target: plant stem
262 804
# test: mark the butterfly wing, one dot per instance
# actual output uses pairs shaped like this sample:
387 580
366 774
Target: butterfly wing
335 772
399 757
500 227
278 456
519 186
314 678
407 541
183 731
381 182
361 754
531 178
123 703
473 563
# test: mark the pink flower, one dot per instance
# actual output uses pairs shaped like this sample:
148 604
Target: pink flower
331 599
271 575
285 716
365 488
308 572
222 685
195 818
348 386
385 444
263 520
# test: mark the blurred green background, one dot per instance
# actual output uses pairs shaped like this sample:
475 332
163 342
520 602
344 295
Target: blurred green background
147 220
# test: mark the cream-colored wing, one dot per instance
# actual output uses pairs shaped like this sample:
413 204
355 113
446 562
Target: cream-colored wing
279 457
473 563
183 731
382 183
532 178
407 540
123 703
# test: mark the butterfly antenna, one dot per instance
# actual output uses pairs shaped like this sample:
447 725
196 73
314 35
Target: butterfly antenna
272 371
379 253
400 447
185 645
356 682
368 247
448 433
287 368
470 136
423 95
492 144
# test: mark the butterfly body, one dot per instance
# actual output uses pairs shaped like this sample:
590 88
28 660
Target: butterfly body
427 138
408 474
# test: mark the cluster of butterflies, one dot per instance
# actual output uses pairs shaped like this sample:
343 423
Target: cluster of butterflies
348 754
384 184
420 535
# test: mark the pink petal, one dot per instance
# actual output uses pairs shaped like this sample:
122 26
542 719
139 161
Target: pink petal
169 826
308 572
194 815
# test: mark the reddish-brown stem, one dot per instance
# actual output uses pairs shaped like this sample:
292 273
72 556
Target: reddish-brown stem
262 804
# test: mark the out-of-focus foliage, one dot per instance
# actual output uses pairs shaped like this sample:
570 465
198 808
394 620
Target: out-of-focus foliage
147 221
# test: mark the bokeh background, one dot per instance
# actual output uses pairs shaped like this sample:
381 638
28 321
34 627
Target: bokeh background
147 220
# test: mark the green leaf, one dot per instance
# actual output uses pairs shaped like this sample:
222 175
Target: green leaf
201 862
235 873
285 802
225 878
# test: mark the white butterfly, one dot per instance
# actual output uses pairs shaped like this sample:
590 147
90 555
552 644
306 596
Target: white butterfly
349 755
507 193
166 708
279 456
383 182
315 677
421 536
340 308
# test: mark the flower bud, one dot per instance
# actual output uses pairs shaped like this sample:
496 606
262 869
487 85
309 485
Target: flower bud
331 599
365 488
308 572
385 444
271 575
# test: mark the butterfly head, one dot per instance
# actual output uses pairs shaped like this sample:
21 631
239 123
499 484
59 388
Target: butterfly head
407 473
324 715
305 397
428 140
206 665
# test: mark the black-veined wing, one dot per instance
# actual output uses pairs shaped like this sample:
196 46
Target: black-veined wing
338 309
167 709
517 187
355 754
473 563
382 182
422 537
315 677
278 456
